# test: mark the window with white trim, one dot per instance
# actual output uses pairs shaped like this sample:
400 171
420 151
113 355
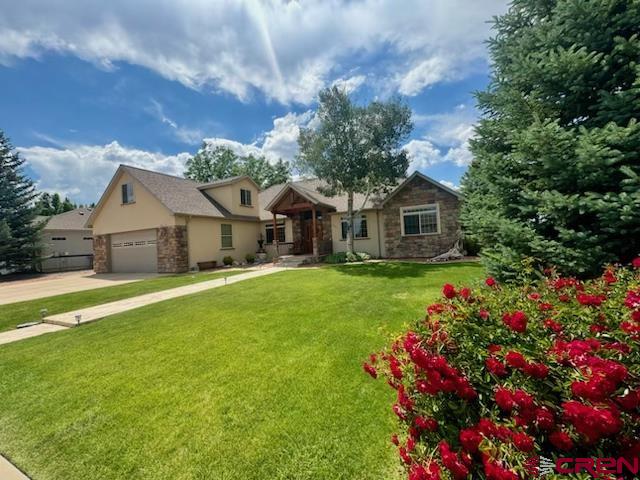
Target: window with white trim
420 220
127 193
245 197
281 232
226 232
359 227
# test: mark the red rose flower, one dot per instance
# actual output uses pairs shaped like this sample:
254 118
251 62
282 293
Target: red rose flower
552 325
561 440
504 399
470 439
516 321
491 282
426 424
449 291
636 262
495 366
465 293
370 370
483 314
522 441
515 360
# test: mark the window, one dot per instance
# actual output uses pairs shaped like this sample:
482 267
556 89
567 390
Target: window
420 220
58 238
227 235
359 227
245 197
127 193
87 238
281 232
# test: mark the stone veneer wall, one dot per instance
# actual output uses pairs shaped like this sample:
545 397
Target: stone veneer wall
420 192
102 253
173 251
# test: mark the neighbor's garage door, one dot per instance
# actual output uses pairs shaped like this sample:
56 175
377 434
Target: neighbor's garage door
134 252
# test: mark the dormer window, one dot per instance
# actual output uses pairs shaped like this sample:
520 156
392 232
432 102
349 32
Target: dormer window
245 197
127 193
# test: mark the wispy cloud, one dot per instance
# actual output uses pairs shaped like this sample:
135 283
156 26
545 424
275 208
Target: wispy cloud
189 136
287 50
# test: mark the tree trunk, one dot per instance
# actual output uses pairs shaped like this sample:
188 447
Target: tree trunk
350 222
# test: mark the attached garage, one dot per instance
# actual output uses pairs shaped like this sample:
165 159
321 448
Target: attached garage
134 251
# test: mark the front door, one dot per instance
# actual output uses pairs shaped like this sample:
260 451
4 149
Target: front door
307 231
307 236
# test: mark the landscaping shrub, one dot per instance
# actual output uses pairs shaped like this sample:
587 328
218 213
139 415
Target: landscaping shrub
250 257
344 257
499 374
228 260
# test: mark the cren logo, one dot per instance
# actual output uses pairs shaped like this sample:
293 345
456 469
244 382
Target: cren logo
538 467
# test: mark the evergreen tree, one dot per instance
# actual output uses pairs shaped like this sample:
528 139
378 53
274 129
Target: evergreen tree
556 170
19 234
43 205
56 204
67 205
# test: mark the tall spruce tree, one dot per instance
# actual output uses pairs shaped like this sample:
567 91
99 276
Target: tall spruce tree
556 170
19 234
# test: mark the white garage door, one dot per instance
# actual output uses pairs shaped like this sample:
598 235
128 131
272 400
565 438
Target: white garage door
134 252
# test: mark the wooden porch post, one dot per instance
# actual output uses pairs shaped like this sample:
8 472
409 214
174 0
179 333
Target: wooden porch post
275 233
315 231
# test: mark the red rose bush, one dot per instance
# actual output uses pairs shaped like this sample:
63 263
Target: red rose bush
501 373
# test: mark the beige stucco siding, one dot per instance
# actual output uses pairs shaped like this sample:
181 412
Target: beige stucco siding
74 242
371 244
146 212
229 197
205 241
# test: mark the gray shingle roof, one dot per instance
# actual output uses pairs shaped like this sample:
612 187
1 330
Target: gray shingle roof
310 187
71 220
185 197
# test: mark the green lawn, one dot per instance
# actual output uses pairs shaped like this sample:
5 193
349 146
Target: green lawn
257 380
16 313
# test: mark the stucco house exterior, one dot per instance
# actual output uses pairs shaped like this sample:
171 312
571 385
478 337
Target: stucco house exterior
150 221
67 242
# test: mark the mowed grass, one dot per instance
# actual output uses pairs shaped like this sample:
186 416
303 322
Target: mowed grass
13 314
258 380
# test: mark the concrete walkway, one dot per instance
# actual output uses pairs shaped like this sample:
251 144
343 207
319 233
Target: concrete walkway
98 312
9 472
50 284
28 332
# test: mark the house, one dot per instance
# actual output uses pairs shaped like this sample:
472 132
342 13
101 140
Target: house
67 242
150 221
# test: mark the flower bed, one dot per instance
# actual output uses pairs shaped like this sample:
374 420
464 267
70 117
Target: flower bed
497 375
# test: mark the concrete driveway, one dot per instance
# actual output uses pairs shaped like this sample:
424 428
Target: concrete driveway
47 285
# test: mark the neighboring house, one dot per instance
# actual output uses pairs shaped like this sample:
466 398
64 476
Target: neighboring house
67 242
149 221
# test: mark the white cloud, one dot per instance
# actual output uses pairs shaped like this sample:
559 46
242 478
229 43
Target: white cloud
83 171
350 84
424 74
279 142
286 49
190 136
449 184
422 154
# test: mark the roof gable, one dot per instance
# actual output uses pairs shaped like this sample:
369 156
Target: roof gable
422 176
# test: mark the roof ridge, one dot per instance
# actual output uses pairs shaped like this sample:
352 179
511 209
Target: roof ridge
161 173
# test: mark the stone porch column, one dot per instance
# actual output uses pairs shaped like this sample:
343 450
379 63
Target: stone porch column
102 253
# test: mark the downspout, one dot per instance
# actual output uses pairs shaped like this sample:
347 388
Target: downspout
379 236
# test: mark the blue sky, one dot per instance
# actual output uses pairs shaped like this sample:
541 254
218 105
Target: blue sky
87 86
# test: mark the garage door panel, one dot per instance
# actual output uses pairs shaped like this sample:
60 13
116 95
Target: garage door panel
134 252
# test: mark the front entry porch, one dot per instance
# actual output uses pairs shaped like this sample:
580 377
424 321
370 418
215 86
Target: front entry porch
310 219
